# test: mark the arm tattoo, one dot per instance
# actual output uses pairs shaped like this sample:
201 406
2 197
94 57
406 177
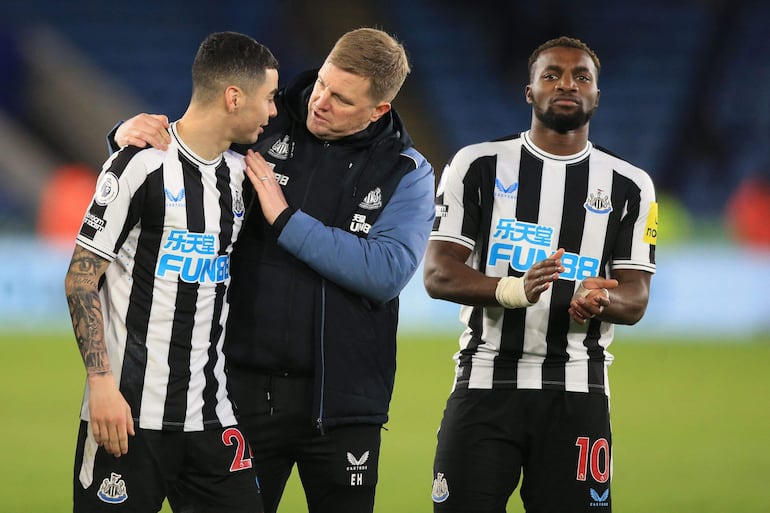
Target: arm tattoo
85 307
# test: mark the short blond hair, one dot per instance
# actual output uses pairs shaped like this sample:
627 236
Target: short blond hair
372 54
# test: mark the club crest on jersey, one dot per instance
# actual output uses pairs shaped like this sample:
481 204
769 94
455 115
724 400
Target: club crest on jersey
238 207
175 200
598 202
440 491
106 189
113 489
505 191
373 200
280 148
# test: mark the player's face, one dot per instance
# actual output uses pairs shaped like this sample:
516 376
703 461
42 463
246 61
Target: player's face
258 107
340 104
563 91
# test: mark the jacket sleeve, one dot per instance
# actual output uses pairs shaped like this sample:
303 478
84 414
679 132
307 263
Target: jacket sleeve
380 265
112 146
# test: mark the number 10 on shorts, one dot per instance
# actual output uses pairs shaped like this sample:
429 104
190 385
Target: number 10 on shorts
594 457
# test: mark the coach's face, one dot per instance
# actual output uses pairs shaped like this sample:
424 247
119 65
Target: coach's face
340 104
563 89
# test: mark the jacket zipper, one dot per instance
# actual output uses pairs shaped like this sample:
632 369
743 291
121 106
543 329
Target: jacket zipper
320 420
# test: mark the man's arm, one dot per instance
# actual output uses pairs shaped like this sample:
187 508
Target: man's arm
110 415
447 276
378 266
625 303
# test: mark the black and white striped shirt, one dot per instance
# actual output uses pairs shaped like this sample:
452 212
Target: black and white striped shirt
513 204
167 221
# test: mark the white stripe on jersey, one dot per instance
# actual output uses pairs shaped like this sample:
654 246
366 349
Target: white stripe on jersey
167 221
535 203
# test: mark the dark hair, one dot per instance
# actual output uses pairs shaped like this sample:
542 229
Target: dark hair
563 42
226 58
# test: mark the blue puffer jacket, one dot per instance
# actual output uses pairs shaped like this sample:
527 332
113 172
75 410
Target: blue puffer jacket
317 293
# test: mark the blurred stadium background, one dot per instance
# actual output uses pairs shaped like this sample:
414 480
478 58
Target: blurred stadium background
685 96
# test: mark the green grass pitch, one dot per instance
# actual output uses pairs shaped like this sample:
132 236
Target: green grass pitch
691 425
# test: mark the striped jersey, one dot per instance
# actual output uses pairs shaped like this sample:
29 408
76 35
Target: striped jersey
167 221
513 205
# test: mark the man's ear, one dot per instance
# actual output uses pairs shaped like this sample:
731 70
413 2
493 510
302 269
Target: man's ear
528 94
232 98
379 111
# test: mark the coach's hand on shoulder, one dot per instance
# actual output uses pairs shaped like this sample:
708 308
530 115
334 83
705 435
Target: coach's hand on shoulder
111 420
144 129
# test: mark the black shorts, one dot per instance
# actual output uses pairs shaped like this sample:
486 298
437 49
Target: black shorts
338 468
561 441
199 472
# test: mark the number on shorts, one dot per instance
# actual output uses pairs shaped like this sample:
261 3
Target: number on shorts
598 456
231 436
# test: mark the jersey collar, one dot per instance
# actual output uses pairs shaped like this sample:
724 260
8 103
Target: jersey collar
550 156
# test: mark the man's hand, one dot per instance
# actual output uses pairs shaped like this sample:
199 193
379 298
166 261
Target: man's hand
591 298
144 129
538 278
262 177
111 420
525 291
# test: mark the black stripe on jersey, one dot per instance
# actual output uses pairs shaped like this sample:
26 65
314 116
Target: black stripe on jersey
117 167
143 281
627 194
652 253
209 410
530 183
619 194
193 186
225 237
175 407
226 220
150 213
570 238
478 190
527 209
595 356
623 190
185 307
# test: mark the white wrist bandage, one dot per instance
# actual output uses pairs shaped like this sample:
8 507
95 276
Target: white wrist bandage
510 293
583 292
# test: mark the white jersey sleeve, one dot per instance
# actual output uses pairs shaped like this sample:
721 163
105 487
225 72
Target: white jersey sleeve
107 216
